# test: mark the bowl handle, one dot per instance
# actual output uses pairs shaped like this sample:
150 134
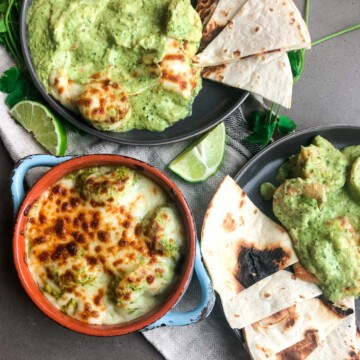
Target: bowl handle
22 167
204 308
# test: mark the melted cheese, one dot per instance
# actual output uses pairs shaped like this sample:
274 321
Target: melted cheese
177 75
104 103
107 105
63 89
103 244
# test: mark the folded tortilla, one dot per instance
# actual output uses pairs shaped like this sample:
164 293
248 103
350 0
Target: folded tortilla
340 344
205 9
267 75
241 245
267 297
225 10
259 27
305 324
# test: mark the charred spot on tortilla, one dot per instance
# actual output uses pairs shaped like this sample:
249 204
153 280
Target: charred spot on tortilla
353 355
262 53
229 224
275 318
205 8
292 319
288 316
302 349
211 32
341 311
256 264
217 70
265 351
303 274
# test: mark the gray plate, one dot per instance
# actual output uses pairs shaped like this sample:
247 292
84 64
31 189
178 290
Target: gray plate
213 104
264 165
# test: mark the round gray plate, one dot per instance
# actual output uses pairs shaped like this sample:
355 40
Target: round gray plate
213 104
264 165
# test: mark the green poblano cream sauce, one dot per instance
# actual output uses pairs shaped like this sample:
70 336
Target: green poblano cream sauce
123 39
318 203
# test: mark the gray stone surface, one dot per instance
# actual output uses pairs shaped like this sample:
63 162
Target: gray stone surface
327 93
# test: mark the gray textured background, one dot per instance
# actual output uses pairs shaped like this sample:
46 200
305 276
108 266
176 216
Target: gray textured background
327 93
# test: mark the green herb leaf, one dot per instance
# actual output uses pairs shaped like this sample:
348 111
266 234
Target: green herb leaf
254 118
18 94
265 124
16 83
3 6
285 125
262 130
262 136
9 79
2 24
296 58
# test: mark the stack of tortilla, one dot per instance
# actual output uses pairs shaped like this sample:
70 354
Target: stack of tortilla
245 44
282 316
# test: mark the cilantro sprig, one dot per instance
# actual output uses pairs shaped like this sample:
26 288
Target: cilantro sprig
9 28
17 84
15 81
265 124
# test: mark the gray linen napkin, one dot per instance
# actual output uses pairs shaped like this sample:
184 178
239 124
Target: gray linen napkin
212 338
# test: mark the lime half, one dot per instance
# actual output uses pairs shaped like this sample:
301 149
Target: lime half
47 129
203 158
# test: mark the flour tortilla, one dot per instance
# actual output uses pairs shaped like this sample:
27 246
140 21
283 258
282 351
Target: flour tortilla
340 344
305 324
266 75
267 297
205 9
222 14
259 27
240 245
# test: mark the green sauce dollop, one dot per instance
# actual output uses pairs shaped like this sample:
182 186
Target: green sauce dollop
267 190
317 203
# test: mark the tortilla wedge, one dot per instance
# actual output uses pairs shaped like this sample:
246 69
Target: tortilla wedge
341 343
267 75
304 325
241 245
267 297
259 27
225 10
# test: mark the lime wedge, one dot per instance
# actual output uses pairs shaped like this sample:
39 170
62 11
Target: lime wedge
47 129
203 158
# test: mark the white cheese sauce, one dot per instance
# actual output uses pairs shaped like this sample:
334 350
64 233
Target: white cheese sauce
104 244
